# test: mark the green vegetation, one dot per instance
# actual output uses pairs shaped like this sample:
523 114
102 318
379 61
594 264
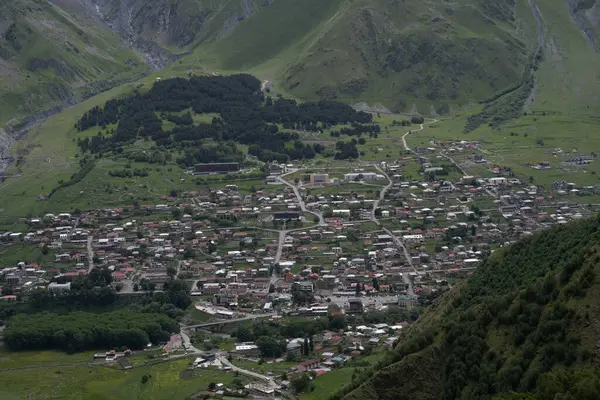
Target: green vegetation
54 375
325 385
523 322
78 331
53 58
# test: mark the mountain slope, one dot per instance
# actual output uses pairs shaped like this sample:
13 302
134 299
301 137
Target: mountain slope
50 58
527 321
400 53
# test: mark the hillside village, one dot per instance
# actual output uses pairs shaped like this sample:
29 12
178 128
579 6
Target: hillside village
310 243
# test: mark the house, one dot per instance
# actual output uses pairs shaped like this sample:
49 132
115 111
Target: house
294 348
247 349
319 179
211 288
13 280
287 216
305 286
54 287
308 365
216 168
355 306
362 176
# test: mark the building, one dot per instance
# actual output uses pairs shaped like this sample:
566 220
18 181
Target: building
305 286
319 179
355 306
308 365
497 181
361 176
247 349
294 348
277 169
286 216
216 168
260 390
226 299
211 288
13 280
59 287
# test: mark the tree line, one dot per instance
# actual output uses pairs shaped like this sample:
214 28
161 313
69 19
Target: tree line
77 331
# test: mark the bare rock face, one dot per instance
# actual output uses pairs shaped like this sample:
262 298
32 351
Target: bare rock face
586 14
160 28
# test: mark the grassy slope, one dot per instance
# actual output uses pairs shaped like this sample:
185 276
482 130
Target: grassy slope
518 277
48 57
376 50
563 109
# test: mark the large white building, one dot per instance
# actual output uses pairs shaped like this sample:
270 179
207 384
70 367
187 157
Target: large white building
362 176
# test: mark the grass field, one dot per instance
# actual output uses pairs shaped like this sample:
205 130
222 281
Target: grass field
329 383
60 376
10 255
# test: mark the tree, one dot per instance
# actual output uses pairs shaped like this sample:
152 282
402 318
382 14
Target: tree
270 346
212 247
310 343
145 378
212 386
171 272
176 213
7 290
237 383
136 287
243 334
189 251
376 284
305 348
301 383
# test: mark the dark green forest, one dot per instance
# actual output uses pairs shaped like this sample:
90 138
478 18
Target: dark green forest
92 316
522 327
246 117
80 330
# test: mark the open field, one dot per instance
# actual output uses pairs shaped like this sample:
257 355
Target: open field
61 376
31 254
329 383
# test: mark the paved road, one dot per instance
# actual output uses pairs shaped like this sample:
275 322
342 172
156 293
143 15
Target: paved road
228 321
90 251
397 241
421 127
187 344
266 379
300 200
382 193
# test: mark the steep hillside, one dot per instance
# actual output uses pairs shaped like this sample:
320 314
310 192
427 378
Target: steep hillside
50 58
526 325
175 24
405 54
399 53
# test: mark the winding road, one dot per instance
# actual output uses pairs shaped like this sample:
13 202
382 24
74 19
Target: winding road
398 241
246 372
227 321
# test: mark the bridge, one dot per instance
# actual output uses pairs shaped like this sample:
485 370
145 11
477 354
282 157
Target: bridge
222 322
